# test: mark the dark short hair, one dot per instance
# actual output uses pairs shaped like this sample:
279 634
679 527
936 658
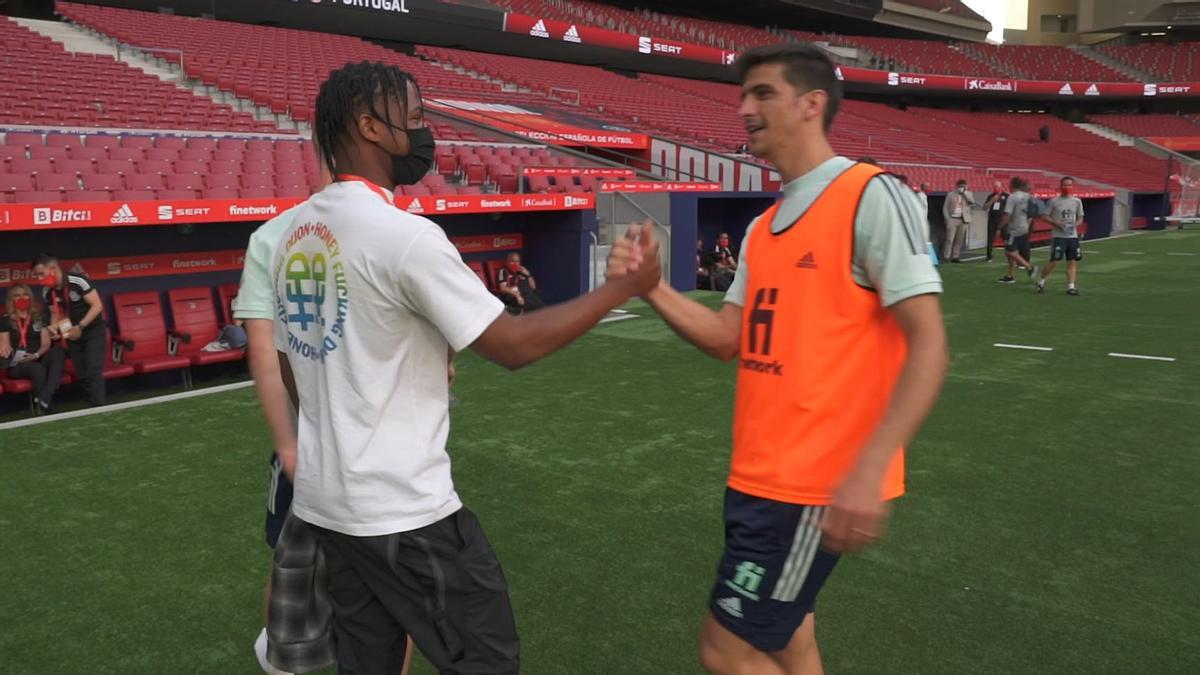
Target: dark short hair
349 89
868 160
902 178
805 66
42 259
1065 179
961 181
1018 183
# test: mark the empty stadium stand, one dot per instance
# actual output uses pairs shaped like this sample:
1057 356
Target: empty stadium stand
45 84
922 56
1149 125
1044 62
1169 62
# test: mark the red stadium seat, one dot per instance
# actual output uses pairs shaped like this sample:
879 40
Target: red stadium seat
88 196
220 193
168 154
145 181
56 181
258 192
105 182
134 154
134 195
74 166
176 194
194 325
38 197
226 293
493 272
477 268
142 334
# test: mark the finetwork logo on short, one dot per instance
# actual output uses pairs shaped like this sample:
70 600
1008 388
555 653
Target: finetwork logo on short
311 293
572 35
124 216
539 29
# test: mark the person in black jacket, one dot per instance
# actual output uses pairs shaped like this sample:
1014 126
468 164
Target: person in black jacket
76 315
994 205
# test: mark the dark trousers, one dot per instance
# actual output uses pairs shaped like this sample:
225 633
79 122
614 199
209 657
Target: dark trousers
87 353
45 373
441 584
993 228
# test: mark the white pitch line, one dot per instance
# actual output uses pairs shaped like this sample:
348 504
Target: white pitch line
1029 347
1143 357
58 417
1133 253
1181 254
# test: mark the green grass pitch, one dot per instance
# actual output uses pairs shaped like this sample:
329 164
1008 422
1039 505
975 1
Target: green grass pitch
1050 527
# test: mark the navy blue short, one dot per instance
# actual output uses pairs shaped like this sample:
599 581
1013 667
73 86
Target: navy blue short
771 571
1063 248
279 501
1016 242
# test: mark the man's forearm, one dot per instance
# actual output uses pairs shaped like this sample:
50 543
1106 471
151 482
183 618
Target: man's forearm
93 312
912 399
268 384
708 331
538 334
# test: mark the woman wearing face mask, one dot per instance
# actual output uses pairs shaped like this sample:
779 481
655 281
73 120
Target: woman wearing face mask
518 288
26 348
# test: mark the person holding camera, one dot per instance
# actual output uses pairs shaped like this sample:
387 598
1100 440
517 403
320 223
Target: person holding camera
26 347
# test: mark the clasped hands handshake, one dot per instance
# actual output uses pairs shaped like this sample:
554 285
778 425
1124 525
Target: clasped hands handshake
634 263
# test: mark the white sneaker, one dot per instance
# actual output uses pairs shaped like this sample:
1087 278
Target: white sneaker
260 650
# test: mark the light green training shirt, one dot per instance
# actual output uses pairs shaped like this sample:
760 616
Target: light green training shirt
256 294
891 255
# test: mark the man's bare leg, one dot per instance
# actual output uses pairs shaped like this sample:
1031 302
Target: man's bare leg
1072 271
801 657
723 653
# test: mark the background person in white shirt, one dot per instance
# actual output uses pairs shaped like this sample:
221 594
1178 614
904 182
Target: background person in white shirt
369 301
957 212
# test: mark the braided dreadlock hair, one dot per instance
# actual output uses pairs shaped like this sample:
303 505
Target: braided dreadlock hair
349 89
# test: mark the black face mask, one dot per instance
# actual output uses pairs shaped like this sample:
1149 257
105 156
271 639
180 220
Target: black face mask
409 169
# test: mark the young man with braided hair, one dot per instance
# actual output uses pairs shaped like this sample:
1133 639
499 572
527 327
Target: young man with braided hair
370 300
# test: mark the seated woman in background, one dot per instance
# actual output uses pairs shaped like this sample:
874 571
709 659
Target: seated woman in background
25 346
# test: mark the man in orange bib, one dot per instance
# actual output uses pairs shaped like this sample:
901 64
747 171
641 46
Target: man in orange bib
835 322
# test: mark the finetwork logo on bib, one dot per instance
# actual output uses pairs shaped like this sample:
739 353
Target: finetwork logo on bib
312 297
539 29
572 35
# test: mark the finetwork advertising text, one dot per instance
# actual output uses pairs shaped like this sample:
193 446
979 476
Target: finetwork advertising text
268 210
184 264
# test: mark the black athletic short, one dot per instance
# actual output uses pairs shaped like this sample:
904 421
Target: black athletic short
1063 248
771 571
279 500
1016 243
441 584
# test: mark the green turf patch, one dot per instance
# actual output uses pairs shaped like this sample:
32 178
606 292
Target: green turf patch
1050 525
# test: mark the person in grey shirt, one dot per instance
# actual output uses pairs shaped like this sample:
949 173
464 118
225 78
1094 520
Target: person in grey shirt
1014 222
1065 213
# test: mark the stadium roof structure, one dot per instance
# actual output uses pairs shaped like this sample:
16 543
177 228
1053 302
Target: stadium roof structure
1168 15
